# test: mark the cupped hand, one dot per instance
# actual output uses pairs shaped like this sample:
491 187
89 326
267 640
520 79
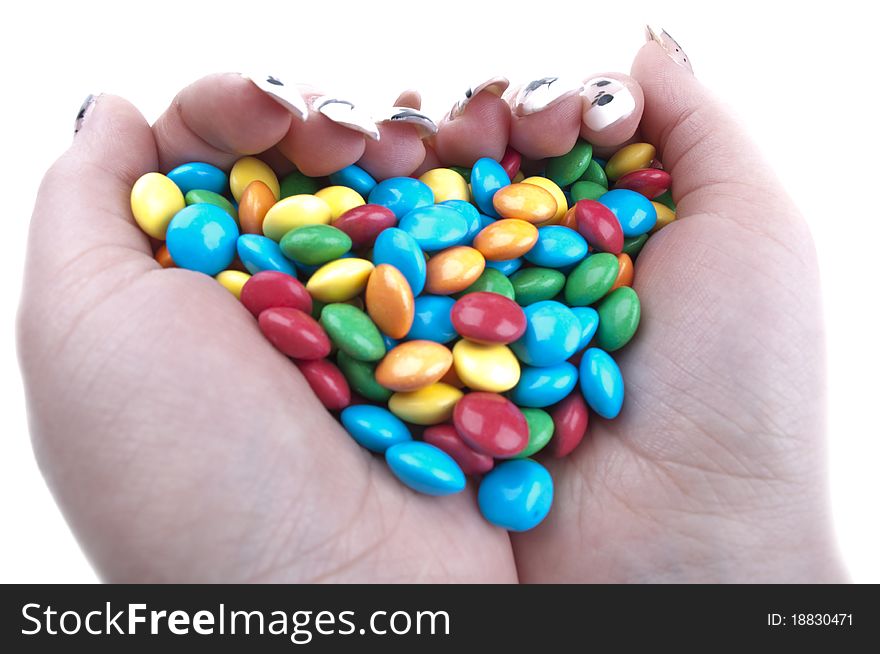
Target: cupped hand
181 446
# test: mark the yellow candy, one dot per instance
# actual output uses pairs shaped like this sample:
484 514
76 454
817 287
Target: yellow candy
519 177
480 367
525 202
430 405
154 201
340 280
232 281
295 211
340 199
555 191
634 156
246 170
665 215
446 184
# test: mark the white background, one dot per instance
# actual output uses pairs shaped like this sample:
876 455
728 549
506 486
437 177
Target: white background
801 75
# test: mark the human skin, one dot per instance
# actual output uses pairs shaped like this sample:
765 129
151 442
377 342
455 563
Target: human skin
182 447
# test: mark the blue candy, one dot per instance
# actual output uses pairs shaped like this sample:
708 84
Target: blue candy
197 175
202 237
397 248
262 253
516 495
487 176
433 319
552 334
557 247
425 468
374 427
472 217
635 212
506 267
390 343
401 195
601 383
588 317
354 177
540 387
436 227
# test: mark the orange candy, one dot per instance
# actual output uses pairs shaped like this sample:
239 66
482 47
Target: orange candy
390 301
506 239
525 202
453 270
413 365
569 219
163 256
624 271
256 200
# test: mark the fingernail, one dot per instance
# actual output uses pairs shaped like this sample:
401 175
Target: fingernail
670 45
425 126
541 93
346 114
606 100
287 96
84 109
495 85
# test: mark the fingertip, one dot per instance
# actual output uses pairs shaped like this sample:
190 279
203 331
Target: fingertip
550 132
398 152
613 105
320 146
481 130
409 98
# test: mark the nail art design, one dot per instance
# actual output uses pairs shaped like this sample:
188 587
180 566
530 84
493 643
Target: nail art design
607 100
346 114
496 86
83 110
541 93
287 96
425 126
670 45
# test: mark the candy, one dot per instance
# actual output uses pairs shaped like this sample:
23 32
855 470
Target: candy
397 248
595 174
633 210
541 387
587 191
435 227
625 271
389 301
352 331
601 383
632 246
255 202
570 419
232 280
487 176
259 253
555 191
557 247
516 495
540 431
199 175
200 196
295 183
568 168
295 333
485 367
588 318
246 170
270 289
315 244
511 161
665 215
430 405
361 375
413 365
486 317
552 334
433 319
155 200
650 182
340 280
373 427
591 279
364 223
425 468
506 239
473 218
340 199
505 267
401 195
295 211
629 158
524 202
353 177
532 285
453 270
446 184
619 315
598 224
446 438
327 383
202 237
491 281
491 424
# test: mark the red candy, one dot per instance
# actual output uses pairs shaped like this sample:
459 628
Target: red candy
327 382
650 182
491 424
599 226
364 223
511 162
447 439
570 418
294 333
488 318
270 289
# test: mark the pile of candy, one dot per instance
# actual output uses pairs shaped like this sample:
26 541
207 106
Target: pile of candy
463 306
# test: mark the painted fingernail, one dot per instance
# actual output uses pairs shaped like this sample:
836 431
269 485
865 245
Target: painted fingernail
346 114
425 126
285 95
84 109
606 100
495 85
541 93
670 45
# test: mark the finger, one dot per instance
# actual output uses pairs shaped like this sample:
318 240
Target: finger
430 162
545 117
613 104
477 126
218 119
399 150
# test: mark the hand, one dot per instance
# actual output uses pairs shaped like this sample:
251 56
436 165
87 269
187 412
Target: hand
181 446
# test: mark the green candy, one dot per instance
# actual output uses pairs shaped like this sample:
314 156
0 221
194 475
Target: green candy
201 196
361 376
315 244
461 170
619 315
491 281
666 198
591 279
352 331
568 168
532 285
317 308
596 174
634 244
587 191
540 431
298 184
